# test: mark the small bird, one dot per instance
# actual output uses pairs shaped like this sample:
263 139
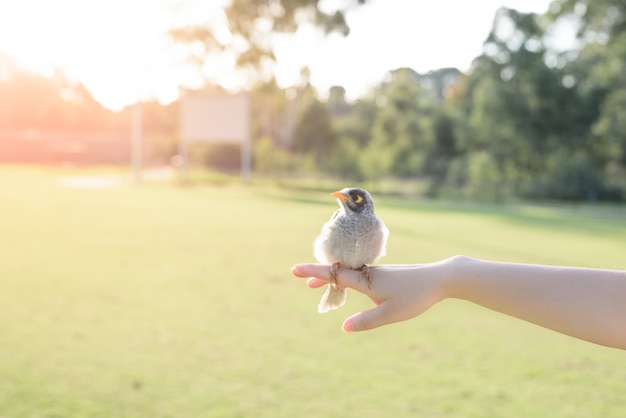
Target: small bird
353 237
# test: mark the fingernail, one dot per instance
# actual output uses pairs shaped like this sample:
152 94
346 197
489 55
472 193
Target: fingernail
347 325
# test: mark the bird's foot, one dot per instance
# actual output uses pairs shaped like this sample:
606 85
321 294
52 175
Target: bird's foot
334 269
366 275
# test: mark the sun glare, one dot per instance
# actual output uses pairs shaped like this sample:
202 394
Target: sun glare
120 50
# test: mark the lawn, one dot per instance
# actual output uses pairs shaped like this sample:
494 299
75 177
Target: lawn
165 301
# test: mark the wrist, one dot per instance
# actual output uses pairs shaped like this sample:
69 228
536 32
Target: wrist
459 268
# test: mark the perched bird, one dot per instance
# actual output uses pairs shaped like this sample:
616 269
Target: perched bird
354 237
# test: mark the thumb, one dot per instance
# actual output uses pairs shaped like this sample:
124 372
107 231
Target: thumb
366 320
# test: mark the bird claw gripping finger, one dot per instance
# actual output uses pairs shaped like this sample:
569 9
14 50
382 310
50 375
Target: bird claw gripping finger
365 274
334 268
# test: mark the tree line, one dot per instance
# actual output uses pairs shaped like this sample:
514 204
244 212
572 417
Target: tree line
528 119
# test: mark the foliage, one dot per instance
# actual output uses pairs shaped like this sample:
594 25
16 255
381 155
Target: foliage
313 132
251 26
399 139
30 101
270 158
527 120
530 118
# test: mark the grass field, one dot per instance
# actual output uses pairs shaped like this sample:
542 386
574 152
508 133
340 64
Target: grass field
162 301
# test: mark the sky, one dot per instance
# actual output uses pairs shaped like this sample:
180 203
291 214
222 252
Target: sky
120 49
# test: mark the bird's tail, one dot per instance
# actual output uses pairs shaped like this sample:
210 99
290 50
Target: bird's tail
333 298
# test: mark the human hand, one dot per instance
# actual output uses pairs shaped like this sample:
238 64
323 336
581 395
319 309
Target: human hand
400 292
586 303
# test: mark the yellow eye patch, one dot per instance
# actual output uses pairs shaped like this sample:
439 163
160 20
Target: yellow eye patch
358 199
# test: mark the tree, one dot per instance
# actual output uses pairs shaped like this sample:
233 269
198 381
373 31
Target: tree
439 81
519 109
313 130
546 120
445 148
596 71
400 142
356 123
28 101
272 112
337 103
250 27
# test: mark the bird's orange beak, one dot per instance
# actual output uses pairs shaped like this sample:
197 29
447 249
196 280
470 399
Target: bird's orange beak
340 196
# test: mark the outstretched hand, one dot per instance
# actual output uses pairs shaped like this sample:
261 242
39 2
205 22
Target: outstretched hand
585 303
400 292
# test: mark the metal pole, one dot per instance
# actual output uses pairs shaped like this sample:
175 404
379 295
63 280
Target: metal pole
246 160
246 146
136 141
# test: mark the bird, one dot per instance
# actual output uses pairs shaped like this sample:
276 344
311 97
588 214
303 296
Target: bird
353 237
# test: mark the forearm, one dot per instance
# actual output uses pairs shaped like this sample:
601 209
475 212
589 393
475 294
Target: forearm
589 304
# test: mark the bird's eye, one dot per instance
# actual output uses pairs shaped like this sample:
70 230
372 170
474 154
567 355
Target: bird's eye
358 199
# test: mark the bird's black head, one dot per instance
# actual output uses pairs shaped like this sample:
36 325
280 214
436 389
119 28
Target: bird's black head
355 199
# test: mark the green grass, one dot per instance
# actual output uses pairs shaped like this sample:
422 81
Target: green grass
164 301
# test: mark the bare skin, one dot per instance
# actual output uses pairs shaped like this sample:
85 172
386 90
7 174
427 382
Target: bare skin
589 304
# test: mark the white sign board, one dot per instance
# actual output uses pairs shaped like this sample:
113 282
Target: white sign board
219 118
215 118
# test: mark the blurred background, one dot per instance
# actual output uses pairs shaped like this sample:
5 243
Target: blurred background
493 99
493 128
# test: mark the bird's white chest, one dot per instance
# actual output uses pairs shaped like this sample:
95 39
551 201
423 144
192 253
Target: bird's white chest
352 242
